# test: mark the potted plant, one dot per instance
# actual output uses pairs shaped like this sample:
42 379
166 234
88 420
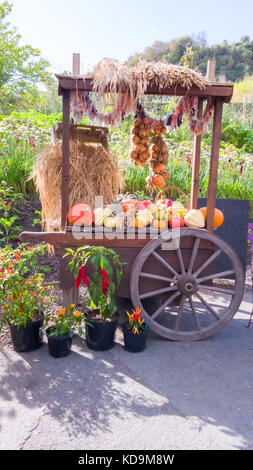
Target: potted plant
135 331
23 295
101 270
60 329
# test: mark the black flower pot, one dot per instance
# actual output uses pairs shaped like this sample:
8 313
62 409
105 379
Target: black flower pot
135 342
59 346
100 334
29 337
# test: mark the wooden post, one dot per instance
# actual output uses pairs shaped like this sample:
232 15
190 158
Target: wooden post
214 162
210 74
65 158
76 64
196 162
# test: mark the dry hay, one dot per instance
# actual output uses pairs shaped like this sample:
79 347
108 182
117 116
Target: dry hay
93 172
116 79
157 74
112 82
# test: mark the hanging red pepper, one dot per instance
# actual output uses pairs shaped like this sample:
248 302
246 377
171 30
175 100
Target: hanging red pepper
82 276
105 281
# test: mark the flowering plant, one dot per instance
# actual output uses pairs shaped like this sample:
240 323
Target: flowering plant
64 323
105 277
136 324
23 294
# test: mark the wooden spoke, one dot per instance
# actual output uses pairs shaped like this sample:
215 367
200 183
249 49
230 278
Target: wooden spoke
216 275
157 292
156 276
167 265
180 313
217 289
207 306
207 262
193 256
165 304
207 319
180 259
194 314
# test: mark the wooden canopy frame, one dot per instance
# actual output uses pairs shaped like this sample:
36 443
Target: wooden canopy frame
221 93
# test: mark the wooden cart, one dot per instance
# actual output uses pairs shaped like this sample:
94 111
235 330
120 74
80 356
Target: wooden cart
192 300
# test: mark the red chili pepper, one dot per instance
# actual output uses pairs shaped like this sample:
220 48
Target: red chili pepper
105 281
82 276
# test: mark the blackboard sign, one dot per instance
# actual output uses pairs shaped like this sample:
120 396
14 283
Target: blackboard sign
234 229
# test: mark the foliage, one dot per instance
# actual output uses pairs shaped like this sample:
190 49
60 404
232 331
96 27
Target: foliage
64 323
235 175
23 295
8 199
16 164
232 60
243 90
105 278
239 136
135 321
22 67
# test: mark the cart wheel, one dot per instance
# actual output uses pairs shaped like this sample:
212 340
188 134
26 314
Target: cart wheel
206 303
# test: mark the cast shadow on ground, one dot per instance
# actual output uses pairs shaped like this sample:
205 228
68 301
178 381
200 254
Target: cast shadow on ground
87 389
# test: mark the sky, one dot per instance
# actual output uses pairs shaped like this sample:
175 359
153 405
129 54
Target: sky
119 28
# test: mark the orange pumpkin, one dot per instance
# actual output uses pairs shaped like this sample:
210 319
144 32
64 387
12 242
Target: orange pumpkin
218 216
80 214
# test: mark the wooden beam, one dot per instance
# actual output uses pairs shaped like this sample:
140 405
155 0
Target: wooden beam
214 90
65 158
109 239
214 162
196 162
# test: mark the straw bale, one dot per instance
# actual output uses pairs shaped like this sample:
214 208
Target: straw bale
93 172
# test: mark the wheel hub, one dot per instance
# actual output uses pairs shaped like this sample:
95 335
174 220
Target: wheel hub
187 284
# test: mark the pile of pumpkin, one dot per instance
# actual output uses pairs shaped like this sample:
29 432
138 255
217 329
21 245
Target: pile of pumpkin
159 215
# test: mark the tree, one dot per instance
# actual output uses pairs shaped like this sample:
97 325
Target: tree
235 61
22 68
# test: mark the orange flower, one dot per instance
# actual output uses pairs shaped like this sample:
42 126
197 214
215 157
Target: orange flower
77 314
61 312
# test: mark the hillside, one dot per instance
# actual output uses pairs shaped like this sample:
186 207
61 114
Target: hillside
233 61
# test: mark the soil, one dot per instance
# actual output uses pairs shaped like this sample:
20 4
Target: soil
26 213
94 316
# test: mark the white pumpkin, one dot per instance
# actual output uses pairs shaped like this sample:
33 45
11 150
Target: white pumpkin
194 219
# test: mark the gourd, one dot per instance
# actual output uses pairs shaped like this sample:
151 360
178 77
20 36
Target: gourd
218 216
110 222
138 222
159 223
100 214
194 218
80 214
145 215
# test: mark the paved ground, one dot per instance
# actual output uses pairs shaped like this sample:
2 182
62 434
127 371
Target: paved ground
172 396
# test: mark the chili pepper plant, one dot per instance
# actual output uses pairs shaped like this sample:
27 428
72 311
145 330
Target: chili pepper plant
135 321
65 322
105 278
23 294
